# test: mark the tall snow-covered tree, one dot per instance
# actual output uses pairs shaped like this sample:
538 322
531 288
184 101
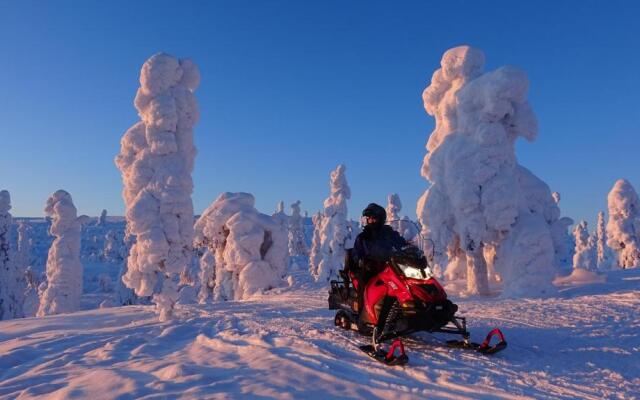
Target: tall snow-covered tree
315 255
115 250
5 256
585 253
403 225
281 217
102 220
11 272
623 228
561 236
297 243
394 205
64 270
244 251
335 231
156 160
479 195
605 256
24 245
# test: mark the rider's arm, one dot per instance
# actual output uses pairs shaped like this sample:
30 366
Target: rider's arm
397 240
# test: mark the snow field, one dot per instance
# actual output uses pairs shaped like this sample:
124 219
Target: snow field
582 344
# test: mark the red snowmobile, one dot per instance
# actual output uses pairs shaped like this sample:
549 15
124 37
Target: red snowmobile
403 298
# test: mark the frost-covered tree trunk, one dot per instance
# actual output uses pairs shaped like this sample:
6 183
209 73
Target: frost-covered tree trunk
156 160
297 244
585 253
477 272
245 251
623 228
604 252
335 232
64 270
479 195
11 275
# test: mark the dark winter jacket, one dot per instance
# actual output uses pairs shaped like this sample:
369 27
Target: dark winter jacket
374 245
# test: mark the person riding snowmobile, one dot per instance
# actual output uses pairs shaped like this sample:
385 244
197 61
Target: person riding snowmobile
373 247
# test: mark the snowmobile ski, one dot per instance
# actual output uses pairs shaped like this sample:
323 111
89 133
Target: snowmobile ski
484 347
387 357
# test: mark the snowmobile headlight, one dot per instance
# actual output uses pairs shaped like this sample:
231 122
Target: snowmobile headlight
412 272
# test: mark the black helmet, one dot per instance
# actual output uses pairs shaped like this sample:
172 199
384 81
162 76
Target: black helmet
376 211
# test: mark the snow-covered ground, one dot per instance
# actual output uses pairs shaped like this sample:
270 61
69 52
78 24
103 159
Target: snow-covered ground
584 343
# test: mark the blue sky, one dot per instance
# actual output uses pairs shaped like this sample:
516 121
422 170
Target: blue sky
290 89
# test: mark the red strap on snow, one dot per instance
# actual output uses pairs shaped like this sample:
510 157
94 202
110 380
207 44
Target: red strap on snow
396 343
495 331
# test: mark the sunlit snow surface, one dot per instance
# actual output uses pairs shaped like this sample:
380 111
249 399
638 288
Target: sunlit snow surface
585 344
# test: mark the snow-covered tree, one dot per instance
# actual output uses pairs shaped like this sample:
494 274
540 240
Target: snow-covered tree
24 245
102 220
115 250
335 232
479 195
11 271
156 160
6 267
244 251
585 254
64 270
315 255
403 225
297 243
605 256
623 228
394 205
31 300
561 237
281 217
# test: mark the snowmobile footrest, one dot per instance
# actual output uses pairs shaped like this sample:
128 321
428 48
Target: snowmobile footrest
387 358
